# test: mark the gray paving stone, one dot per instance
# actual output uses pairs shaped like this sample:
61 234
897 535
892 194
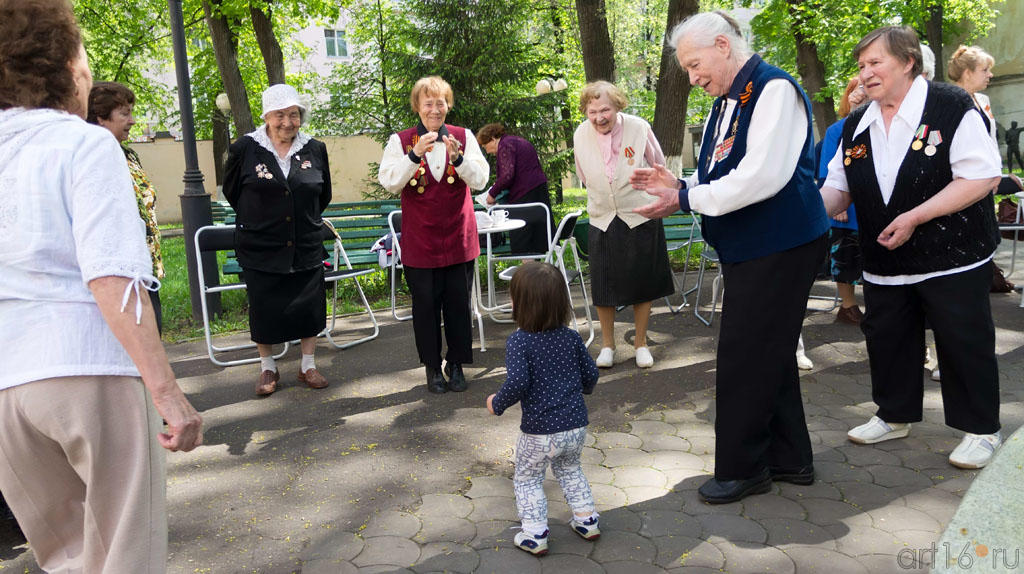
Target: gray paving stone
619 545
826 398
918 538
819 489
505 560
822 561
631 567
339 547
591 455
694 505
607 496
642 494
790 532
755 558
328 566
823 512
627 476
717 527
598 473
447 557
690 430
613 440
896 476
489 486
922 459
757 507
866 495
820 423
558 511
383 569
444 505
590 439
958 485
562 540
942 443
840 472
494 508
388 551
614 457
657 523
445 529
896 517
701 444
392 523
671 501
694 570
621 519
865 455
935 502
670 459
831 438
684 551
562 563
864 540
493 534
651 427
680 479
824 453
888 564
661 442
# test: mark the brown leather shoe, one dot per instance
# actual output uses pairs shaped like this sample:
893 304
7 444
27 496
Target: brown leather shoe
267 383
313 379
851 315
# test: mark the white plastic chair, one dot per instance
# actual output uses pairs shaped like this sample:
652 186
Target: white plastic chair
708 255
395 225
515 209
335 276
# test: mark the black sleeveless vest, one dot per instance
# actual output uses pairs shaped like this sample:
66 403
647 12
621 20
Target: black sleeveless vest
946 242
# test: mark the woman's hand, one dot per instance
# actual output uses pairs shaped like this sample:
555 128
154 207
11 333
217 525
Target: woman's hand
651 177
454 148
490 404
422 144
842 217
899 231
491 200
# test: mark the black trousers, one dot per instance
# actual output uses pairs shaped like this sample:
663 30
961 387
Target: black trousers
760 417
436 293
957 309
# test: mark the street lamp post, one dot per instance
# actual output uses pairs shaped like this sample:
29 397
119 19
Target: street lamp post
195 202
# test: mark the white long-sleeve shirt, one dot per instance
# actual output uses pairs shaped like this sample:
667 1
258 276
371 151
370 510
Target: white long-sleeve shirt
396 169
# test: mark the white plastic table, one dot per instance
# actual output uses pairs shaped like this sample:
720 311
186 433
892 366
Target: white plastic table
475 292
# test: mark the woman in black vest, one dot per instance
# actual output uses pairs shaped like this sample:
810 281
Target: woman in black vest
918 164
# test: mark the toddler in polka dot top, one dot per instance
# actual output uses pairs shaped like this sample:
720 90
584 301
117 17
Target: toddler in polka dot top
549 371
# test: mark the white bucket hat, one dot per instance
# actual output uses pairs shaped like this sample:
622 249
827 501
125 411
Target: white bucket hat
281 96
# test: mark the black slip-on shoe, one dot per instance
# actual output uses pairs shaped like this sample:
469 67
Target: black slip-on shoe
716 491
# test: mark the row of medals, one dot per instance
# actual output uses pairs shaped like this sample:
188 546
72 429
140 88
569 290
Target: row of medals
929 150
422 182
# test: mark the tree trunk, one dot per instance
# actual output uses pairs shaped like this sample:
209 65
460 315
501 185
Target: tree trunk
225 51
673 86
598 55
262 25
812 72
221 142
933 32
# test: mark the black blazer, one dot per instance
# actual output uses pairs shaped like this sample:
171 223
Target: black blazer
278 228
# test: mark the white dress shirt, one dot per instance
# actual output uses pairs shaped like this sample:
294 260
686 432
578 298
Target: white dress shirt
68 215
396 169
775 140
972 155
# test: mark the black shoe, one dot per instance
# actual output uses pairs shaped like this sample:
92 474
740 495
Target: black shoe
456 379
435 381
803 475
716 491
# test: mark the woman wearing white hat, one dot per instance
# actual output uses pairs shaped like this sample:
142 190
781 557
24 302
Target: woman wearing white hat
278 181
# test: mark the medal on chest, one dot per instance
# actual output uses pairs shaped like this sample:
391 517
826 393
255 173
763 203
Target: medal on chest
421 174
629 153
855 152
451 174
934 139
922 130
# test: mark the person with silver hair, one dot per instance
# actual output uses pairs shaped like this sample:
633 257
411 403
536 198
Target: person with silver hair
927 62
278 181
762 212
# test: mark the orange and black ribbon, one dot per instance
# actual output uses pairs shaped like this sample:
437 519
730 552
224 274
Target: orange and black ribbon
747 93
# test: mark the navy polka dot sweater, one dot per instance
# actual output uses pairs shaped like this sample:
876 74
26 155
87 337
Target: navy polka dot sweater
549 372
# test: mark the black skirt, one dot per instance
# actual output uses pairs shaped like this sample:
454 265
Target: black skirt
285 306
629 266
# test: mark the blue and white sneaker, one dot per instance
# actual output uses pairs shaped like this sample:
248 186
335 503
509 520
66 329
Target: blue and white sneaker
587 529
536 545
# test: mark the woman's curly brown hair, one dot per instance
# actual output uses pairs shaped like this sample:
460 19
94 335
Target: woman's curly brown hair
40 38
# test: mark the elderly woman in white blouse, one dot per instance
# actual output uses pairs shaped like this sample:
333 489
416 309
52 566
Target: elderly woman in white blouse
79 445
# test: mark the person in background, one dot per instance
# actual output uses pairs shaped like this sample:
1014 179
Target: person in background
434 165
627 251
920 165
80 459
278 181
762 213
520 173
110 106
549 371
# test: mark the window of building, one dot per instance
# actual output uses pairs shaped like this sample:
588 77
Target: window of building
334 40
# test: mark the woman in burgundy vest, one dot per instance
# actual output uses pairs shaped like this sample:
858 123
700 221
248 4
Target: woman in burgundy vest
434 166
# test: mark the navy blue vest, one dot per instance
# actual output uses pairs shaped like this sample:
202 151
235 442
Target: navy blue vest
793 216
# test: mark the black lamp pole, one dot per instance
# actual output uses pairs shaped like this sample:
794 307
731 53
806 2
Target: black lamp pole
195 202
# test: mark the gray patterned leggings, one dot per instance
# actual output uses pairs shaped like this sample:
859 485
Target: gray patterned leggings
534 452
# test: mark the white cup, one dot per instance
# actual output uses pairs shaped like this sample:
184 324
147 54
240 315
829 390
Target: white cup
499 216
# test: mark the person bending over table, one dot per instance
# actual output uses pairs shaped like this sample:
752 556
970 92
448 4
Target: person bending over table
278 181
434 166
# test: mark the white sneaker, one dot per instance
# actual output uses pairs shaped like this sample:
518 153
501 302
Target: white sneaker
606 358
877 430
536 545
936 375
644 360
976 450
588 528
803 363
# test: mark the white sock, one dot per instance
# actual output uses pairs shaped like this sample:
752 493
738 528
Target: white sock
307 363
593 516
268 364
535 529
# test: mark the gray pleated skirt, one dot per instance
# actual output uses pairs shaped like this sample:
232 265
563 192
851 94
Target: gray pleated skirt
629 266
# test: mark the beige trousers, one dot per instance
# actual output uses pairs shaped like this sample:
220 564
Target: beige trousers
82 470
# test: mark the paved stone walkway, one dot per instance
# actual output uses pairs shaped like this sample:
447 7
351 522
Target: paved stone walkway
375 475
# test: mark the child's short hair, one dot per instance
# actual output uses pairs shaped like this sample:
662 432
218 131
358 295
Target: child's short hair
540 301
